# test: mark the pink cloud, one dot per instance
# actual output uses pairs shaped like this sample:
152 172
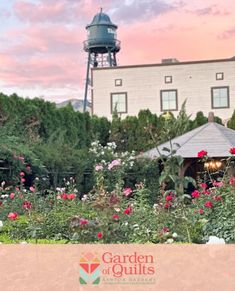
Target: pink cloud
5 13
41 12
55 11
227 34
46 72
46 56
53 38
213 10
46 51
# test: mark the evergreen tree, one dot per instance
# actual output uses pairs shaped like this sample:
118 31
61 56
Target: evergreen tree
231 123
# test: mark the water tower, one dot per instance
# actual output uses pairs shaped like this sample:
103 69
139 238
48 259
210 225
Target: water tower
101 46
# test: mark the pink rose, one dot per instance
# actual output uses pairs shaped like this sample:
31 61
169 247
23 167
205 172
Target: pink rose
27 205
127 191
12 215
22 174
114 163
98 168
232 181
217 184
12 196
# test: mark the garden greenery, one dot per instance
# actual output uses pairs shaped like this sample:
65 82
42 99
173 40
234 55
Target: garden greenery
68 177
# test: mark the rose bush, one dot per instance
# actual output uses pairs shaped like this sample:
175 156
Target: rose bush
116 212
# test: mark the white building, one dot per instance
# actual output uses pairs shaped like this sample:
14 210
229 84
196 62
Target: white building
207 85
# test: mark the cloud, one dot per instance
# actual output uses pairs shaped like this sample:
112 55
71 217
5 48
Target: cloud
4 14
49 56
55 11
213 10
143 10
227 34
46 72
46 39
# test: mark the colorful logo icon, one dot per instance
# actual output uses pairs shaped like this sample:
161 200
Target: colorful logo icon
89 271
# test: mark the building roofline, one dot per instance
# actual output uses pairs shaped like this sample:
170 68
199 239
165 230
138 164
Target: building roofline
232 59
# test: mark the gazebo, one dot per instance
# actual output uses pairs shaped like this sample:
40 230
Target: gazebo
212 137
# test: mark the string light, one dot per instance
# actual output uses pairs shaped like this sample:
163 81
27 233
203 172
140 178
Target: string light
213 165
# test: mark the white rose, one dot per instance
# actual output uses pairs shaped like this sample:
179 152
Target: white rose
170 241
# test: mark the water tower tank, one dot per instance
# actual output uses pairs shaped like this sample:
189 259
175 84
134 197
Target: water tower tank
101 46
101 35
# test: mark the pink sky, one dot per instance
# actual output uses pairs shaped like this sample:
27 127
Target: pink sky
41 50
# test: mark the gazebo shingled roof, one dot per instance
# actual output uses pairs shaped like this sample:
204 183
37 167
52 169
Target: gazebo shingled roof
211 137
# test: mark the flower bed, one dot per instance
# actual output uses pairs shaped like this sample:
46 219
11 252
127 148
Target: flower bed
114 212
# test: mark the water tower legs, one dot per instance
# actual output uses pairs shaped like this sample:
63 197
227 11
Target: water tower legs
87 82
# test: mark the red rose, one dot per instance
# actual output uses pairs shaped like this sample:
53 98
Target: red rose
12 215
232 151
217 184
208 204
202 154
83 221
167 205
201 211
128 211
218 198
165 229
23 180
203 185
32 189
27 205
195 194
22 174
99 235
64 196
115 217
71 196
169 198
1 203
206 192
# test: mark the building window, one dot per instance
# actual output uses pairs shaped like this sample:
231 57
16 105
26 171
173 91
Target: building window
220 97
168 79
169 100
118 82
119 102
219 76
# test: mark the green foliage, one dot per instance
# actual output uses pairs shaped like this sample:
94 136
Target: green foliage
201 119
53 141
147 171
231 123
